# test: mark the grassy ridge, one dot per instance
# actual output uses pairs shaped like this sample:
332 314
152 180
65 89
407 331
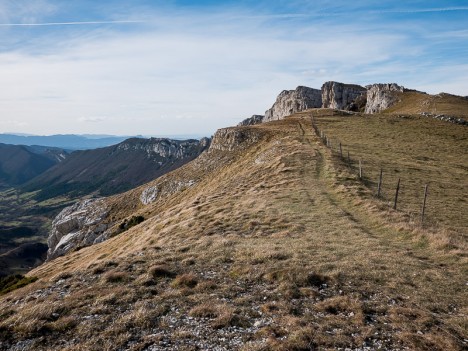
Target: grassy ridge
274 248
415 149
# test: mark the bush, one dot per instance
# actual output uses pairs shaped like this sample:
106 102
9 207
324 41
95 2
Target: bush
13 282
133 221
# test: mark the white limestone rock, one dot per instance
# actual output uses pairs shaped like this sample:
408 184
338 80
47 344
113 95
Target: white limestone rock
255 119
77 226
165 188
341 96
289 102
382 96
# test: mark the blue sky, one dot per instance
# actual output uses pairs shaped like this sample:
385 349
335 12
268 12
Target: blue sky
191 67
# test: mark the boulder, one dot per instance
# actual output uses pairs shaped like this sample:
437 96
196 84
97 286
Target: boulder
77 226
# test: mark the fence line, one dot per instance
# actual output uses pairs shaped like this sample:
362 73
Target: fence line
327 141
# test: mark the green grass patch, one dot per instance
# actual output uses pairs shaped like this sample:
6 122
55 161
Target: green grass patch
13 282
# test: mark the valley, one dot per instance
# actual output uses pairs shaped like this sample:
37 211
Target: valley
40 181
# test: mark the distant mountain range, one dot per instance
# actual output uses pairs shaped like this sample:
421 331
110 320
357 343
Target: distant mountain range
19 164
116 168
73 141
65 141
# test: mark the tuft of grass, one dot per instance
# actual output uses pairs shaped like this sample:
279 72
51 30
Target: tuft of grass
116 277
187 280
161 271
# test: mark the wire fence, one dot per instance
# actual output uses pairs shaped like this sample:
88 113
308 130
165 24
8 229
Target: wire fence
356 165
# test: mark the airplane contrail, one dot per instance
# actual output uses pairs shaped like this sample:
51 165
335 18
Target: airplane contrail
65 23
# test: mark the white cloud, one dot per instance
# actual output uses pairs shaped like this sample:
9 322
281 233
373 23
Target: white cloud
92 119
189 73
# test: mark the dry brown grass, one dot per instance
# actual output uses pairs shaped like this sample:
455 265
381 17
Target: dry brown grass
275 250
417 150
187 280
415 103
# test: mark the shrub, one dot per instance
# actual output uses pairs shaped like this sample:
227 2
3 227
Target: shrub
13 282
133 221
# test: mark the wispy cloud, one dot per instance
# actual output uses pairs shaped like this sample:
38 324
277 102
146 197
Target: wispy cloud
93 119
193 71
423 10
84 23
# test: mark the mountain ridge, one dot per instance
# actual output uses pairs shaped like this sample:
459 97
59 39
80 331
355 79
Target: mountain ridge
115 168
269 240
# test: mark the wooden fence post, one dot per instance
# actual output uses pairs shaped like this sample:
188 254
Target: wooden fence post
424 204
379 187
349 159
396 194
341 151
360 169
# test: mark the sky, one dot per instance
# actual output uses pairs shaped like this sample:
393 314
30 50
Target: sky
150 67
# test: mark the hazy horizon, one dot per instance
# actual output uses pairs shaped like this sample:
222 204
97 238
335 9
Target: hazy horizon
191 67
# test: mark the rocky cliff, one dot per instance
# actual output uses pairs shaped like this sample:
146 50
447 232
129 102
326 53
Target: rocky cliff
341 96
255 119
163 147
292 101
382 96
77 226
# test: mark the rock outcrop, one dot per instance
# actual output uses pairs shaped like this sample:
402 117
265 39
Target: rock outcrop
233 139
166 148
165 188
445 118
289 102
382 96
341 96
76 226
255 119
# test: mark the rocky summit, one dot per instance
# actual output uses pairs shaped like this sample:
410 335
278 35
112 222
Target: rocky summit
335 95
292 101
341 96
382 96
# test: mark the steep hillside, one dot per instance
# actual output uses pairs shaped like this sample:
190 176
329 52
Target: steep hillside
115 168
19 164
265 242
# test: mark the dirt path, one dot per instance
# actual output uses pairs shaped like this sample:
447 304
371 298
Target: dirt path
378 260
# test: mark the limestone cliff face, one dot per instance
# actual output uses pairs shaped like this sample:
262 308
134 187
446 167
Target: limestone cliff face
76 226
382 96
341 96
167 148
289 102
255 119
